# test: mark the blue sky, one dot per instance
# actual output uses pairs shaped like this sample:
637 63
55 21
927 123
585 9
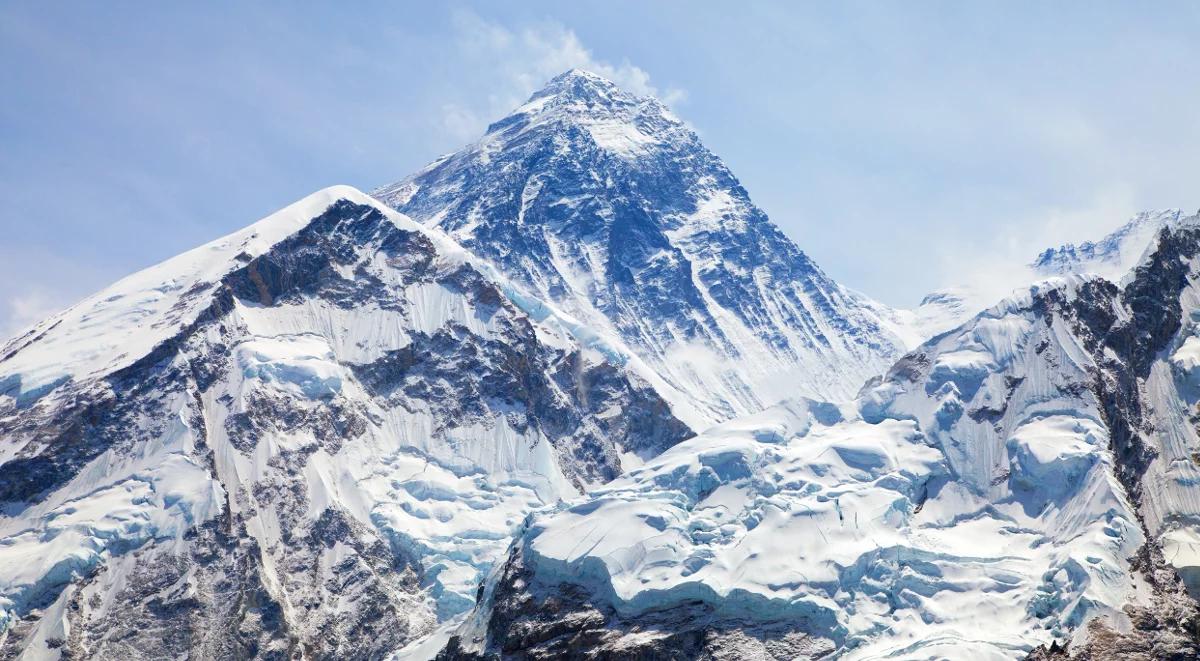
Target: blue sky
904 146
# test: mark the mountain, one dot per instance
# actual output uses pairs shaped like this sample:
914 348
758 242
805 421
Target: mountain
317 435
609 207
1025 483
310 438
568 394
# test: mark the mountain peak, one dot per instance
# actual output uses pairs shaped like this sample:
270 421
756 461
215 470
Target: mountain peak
582 85
608 206
577 94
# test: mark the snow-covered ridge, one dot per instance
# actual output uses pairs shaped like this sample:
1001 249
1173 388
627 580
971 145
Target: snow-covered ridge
123 322
1112 256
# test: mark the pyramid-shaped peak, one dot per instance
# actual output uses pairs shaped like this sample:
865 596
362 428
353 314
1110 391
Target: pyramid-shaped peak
578 87
577 95
581 83
577 74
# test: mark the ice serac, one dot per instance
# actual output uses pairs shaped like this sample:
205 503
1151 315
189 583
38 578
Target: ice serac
609 206
310 438
1024 482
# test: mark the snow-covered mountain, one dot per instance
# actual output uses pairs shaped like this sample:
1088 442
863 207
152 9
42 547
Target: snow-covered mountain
541 418
341 416
308 439
609 206
1025 481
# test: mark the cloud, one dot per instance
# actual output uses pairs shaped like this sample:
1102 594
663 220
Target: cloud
998 260
460 122
25 308
519 61
35 284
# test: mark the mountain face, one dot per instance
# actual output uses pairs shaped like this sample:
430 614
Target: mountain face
608 207
309 439
1025 482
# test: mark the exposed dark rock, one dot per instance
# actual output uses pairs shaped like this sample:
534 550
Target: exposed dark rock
531 621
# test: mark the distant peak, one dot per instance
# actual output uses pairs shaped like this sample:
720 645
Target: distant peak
1118 247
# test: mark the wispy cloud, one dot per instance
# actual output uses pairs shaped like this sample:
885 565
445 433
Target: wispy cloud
23 309
519 60
35 284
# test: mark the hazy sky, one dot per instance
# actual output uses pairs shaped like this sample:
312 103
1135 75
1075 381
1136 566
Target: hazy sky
904 146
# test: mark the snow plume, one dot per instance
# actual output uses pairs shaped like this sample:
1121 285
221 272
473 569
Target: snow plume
521 60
